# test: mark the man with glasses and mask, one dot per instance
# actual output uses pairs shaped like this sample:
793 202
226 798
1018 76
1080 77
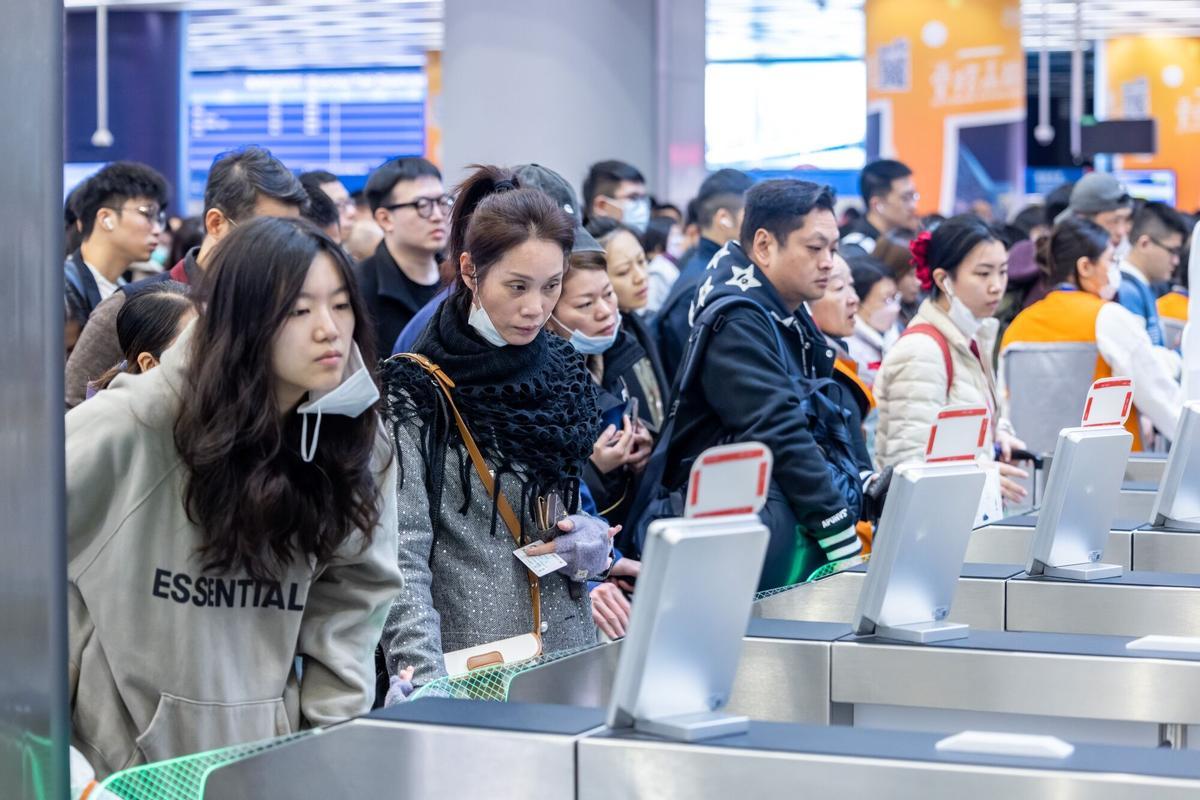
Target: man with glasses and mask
890 198
411 205
1156 247
243 184
617 190
120 211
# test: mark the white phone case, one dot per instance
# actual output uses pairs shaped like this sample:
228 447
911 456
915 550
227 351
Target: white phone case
504 651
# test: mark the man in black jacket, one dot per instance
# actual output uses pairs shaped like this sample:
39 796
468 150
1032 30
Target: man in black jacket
410 203
745 388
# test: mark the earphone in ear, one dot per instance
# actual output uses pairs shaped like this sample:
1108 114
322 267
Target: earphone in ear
109 224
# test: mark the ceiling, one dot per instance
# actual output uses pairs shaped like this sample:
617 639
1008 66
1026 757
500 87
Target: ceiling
288 34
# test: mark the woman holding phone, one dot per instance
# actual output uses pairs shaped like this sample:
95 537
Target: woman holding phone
493 422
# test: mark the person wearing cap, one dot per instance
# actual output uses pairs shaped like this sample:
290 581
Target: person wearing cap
1102 199
719 207
533 176
1156 245
411 205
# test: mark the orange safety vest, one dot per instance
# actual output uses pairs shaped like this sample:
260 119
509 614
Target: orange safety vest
1173 305
1066 316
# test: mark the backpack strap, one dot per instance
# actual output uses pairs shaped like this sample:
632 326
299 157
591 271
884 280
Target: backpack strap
933 333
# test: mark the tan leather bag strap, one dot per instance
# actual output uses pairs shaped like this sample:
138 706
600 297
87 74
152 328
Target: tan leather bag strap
506 513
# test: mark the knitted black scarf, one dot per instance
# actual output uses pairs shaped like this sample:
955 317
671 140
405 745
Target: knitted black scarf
531 409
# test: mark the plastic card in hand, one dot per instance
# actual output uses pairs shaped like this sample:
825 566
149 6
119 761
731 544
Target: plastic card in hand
958 434
730 479
539 565
1109 402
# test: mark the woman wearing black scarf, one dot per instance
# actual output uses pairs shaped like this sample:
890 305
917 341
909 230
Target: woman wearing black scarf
530 406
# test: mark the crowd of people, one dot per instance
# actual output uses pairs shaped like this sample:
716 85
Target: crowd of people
323 434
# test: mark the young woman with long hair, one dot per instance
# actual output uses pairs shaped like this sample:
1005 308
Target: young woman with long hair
231 514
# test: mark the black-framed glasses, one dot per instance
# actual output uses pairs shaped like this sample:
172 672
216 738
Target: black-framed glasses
425 205
1177 252
153 214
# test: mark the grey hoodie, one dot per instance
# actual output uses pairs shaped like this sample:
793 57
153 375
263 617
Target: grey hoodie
166 659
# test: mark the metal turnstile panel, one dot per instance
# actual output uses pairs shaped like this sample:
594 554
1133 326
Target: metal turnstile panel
610 768
1009 544
1147 468
1105 609
1135 504
371 758
978 602
1167 551
783 681
1017 682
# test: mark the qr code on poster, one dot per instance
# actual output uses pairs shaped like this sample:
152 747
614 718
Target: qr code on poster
895 66
1135 99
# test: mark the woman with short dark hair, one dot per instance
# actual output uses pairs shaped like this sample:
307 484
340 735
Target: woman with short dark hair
231 516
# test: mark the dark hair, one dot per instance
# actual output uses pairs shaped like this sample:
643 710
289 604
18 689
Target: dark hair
492 215
604 177
1029 218
664 209
379 186
658 231
780 206
588 260
320 176
189 234
891 252
258 505
147 323
1072 239
867 272
72 236
112 186
724 189
605 229
239 177
1057 202
691 214
877 177
321 211
1157 220
953 241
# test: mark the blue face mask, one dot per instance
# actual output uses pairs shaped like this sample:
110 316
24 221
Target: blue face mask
591 345
483 325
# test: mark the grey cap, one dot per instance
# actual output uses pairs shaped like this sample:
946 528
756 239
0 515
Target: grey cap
1096 193
535 176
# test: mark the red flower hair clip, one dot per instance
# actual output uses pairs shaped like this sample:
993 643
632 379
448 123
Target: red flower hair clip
919 247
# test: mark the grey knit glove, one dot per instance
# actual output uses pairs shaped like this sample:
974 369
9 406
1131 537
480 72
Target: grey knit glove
587 547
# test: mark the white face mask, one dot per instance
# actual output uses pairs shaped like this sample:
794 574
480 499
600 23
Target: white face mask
1114 282
1122 249
960 315
354 395
483 325
635 212
590 345
884 319
675 244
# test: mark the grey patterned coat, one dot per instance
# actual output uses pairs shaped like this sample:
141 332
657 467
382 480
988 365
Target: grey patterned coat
463 587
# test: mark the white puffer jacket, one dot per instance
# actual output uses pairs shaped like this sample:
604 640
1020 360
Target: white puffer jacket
910 388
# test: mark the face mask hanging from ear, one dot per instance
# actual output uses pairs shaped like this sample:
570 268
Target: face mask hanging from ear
483 325
960 315
1109 292
354 395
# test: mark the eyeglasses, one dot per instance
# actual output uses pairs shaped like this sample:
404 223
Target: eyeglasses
153 214
425 205
1176 252
910 198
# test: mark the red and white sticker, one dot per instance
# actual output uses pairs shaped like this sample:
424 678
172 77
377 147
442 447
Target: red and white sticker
1109 402
730 479
958 434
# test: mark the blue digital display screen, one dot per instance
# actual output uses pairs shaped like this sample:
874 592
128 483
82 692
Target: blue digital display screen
346 122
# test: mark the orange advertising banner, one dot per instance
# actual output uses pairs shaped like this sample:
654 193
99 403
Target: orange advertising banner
946 91
1160 78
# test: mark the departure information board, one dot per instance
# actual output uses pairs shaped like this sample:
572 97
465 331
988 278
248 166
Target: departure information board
343 121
